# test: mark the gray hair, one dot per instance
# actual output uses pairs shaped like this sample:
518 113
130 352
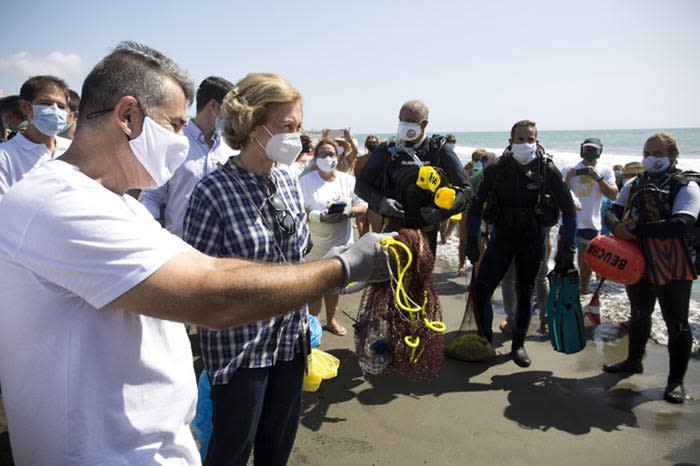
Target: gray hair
133 70
418 108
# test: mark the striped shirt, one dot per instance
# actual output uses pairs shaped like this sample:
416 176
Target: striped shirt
230 215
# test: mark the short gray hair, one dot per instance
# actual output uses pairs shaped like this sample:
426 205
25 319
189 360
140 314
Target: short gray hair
135 70
418 108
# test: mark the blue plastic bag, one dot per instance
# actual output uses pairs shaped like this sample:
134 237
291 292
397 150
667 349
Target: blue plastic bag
316 331
202 424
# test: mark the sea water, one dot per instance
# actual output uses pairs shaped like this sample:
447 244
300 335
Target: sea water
620 146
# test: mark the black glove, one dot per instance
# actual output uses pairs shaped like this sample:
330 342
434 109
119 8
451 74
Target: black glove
390 208
565 258
332 218
433 215
472 250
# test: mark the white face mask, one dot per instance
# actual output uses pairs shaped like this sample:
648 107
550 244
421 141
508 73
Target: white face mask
656 164
408 131
283 148
524 153
327 164
160 151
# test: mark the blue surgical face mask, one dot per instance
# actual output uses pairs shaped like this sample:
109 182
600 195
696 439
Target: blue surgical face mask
5 124
478 166
49 119
219 125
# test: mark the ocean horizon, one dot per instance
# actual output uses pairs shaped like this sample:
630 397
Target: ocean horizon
620 146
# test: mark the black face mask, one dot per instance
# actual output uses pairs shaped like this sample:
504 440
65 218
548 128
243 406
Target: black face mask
590 156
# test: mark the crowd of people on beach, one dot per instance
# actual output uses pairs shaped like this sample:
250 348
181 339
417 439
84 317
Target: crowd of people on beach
125 220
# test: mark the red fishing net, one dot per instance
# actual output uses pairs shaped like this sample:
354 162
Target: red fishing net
390 339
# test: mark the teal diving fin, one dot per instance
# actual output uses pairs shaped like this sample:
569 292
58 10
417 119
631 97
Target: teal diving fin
567 332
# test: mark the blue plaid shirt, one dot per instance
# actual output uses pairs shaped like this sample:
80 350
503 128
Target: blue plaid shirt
229 215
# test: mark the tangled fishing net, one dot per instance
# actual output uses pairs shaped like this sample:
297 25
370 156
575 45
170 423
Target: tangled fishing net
398 327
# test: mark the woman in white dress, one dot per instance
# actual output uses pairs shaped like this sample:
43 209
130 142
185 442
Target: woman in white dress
330 202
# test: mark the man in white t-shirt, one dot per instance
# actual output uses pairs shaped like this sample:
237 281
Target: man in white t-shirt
44 99
589 181
207 149
95 368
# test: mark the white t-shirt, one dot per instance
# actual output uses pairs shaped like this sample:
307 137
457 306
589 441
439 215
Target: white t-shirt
687 200
175 194
19 155
589 194
84 383
319 194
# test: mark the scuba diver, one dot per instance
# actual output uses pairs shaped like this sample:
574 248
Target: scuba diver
391 180
524 193
659 208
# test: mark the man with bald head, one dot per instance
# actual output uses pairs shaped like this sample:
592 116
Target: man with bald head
388 181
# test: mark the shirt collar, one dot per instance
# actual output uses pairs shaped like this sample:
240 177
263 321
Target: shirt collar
193 132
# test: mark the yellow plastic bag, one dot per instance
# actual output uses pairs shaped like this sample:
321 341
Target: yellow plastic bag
322 366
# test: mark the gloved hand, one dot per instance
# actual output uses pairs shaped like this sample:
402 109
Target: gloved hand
472 250
564 260
390 208
433 215
363 261
325 217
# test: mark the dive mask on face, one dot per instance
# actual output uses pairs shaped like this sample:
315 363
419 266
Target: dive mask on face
49 119
656 164
524 153
160 151
408 131
283 148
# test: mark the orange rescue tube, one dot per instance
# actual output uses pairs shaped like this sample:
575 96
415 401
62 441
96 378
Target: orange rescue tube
615 259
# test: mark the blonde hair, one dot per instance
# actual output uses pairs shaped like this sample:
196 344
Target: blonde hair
248 104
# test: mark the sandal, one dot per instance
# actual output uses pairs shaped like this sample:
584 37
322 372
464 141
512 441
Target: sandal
339 331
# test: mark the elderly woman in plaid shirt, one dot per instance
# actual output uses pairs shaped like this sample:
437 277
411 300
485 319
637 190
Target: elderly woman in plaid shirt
252 208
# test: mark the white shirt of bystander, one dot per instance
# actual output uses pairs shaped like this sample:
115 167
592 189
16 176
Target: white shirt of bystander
175 194
19 155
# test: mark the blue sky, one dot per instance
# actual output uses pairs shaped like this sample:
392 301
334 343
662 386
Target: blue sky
480 66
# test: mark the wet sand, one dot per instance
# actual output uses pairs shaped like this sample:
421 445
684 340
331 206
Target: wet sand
561 410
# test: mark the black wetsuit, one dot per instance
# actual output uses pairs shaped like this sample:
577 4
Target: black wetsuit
391 172
518 235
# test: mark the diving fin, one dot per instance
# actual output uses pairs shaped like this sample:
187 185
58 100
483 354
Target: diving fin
564 316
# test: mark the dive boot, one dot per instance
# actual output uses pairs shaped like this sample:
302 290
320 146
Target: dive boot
629 366
674 393
520 357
